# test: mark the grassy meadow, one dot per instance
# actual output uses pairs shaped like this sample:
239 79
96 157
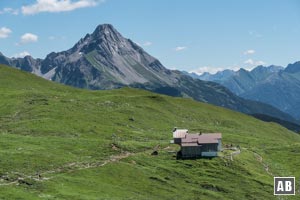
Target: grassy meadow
58 142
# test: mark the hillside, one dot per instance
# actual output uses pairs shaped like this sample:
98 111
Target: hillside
106 60
289 125
58 142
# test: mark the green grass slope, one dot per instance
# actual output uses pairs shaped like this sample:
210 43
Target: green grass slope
57 142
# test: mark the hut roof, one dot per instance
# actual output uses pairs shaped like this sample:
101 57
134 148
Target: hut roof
206 138
180 133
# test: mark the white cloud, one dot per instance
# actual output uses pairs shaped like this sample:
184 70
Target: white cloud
4 32
58 6
249 62
9 11
212 70
28 38
250 51
180 48
137 43
253 63
173 68
22 54
147 44
260 62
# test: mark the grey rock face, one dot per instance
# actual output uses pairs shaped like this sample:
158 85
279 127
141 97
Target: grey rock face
105 60
27 63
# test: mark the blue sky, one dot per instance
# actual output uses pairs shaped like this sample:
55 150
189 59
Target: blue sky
191 35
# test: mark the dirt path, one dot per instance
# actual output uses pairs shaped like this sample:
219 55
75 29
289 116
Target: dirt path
257 156
9 183
260 159
66 168
232 154
78 166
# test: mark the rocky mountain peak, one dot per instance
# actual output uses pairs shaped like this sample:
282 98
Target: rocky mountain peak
106 40
266 69
105 29
293 68
107 32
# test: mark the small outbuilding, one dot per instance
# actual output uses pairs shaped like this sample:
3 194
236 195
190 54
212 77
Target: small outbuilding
194 145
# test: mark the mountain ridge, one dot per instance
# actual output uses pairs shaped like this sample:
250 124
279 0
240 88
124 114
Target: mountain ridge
107 60
274 85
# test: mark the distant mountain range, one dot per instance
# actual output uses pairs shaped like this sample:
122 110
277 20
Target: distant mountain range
274 85
107 60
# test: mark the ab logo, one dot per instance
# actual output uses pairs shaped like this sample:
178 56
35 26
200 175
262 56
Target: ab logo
284 185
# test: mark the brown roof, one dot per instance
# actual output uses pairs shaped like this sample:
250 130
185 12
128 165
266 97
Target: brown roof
190 138
205 138
209 138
